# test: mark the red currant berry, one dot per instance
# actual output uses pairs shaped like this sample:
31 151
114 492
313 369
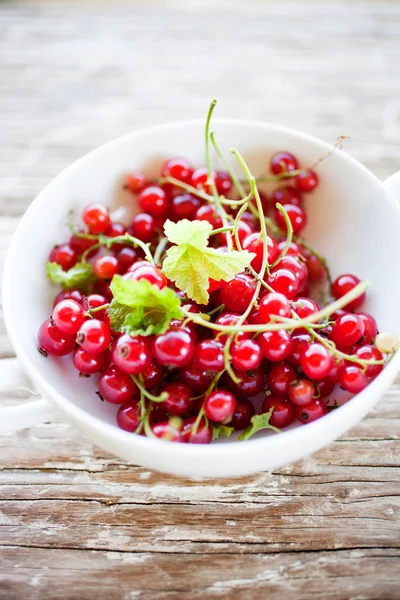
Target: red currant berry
275 345
283 162
300 341
307 181
347 330
152 376
344 284
254 317
254 243
105 267
368 352
179 400
148 272
143 227
304 307
200 179
53 341
325 387
315 268
97 218
117 387
296 266
69 295
213 285
68 316
167 431
94 336
223 183
283 411
175 348
64 256
293 250
230 319
131 354
250 383
316 361
311 412
202 435
129 416
301 392
287 195
280 378
86 363
178 168
243 231
210 356
243 414
219 406
284 282
246 355
94 301
184 206
197 379
237 293
370 327
80 244
352 379
126 257
153 200
297 217
208 213
136 182
274 304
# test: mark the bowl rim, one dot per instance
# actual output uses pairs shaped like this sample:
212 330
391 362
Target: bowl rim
191 451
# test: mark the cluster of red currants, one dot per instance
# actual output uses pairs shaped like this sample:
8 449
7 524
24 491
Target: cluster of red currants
177 381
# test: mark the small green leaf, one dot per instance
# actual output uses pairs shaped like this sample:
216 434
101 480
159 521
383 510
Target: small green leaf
221 430
78 277
192 263
140 308
258 422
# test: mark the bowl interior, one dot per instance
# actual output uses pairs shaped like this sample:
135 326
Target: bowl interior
352 222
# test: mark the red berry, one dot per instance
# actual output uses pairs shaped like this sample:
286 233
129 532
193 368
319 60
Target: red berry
179 401
150 273
300 341
370 327
94 336
105 267
275 345
274 304
86 363
325 387
283 411
184 206
129 416
117 387
243 231
223 183
136 182
53 341
126 257
243 414
307 181
94 301
202 435
368 352
213 285
347 330
143 227
296 266
287 195
316 361
197 379
301 392
69 295
297 217
200 178
167 431
250 383
97 218
254 243
311 412
304 307
246 355
280 378
152 375
80 244
344 284
64 256
237 293
178 168
352 379
284 282
153 200
219 406
210 356
175 348
283 162
131 354
293 250
230 319
68 316
207 212
315 268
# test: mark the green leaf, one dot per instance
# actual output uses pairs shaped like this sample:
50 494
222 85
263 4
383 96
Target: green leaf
258 422
78 277
192 263
221 430
140 308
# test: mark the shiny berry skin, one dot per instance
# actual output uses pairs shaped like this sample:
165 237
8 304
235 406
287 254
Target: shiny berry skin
316 361
325 387
274 304
86 363
116 230
167 431
174 347
315 268
275 345
197 379
178 168
105 267
246 355
283 162
304 307
69 295
150 273
243 414
208 213
131 354
254 317
311 412
283 413
254 243
68 316
94 301
136 182
184 206
223 183
203 434
237 293
243 231
250 383
153 200
200 178
219 406
210 356
297 217
368 352
152 375
347 330
179 401
126 257
64 256
301 392
296 266
307 181
94 336
287 195
213 285
53 341
280 378
143 227
300 341
80 244
370 327
293 250
352 379
344 284
226 319
128 416
97 218
284 282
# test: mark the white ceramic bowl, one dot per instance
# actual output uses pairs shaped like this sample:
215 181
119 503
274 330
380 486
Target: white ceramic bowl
353 221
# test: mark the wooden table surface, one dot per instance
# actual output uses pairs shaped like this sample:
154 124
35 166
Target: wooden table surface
77 523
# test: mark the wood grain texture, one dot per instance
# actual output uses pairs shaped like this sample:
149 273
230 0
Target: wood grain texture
76 522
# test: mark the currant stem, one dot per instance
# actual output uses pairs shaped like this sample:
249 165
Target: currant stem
162 244
161 398
233 176
289 234
188 188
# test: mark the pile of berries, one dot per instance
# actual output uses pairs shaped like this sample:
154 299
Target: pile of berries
201 377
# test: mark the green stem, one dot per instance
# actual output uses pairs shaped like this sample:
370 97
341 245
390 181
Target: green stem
221 230
289 235
162 244
339 354
161 398
232 174
201 413
188 188
89 313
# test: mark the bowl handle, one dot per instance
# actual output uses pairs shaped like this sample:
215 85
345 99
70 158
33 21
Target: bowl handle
25 414
392 184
